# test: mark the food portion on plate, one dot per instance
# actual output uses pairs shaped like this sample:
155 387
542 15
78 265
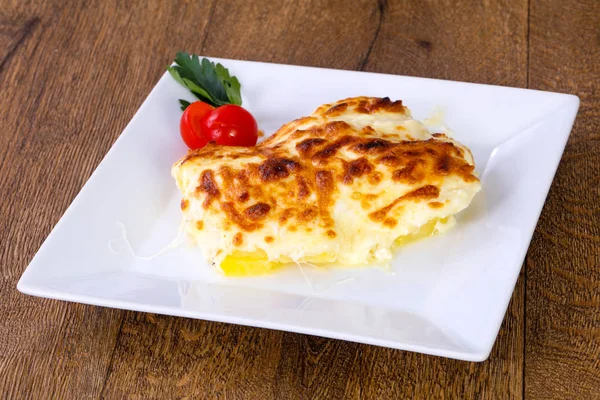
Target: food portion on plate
344 185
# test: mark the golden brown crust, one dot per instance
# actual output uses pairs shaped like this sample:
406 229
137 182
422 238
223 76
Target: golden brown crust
436 204
295 176
423 193
184 204
257 212
238 239
237 218
208 185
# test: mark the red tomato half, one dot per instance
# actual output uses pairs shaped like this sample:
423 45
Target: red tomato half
230 125
190 125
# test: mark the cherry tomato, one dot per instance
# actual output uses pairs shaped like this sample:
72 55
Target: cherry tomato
190 125
230 125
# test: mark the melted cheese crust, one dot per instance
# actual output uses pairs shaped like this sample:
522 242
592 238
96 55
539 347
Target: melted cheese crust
340 185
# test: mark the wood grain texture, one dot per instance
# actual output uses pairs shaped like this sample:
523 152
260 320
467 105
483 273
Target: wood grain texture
47 348
476 41
64 69
166 357
563 264
72 74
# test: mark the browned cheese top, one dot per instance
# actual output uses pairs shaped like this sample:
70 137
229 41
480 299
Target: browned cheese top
351 165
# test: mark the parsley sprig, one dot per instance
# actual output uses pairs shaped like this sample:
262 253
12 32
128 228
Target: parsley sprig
210 83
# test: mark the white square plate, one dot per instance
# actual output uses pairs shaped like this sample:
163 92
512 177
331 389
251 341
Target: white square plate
446 296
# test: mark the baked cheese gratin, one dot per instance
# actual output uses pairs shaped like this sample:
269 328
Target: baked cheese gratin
345 185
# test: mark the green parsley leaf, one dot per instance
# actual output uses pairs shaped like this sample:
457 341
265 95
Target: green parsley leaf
231 83
210 83
184 104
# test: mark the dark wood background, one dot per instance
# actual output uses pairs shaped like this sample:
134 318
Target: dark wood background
72 74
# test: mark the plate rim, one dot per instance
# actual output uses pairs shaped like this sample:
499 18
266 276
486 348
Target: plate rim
29 287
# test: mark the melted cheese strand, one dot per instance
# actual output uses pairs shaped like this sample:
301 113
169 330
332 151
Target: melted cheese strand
308 282
176 242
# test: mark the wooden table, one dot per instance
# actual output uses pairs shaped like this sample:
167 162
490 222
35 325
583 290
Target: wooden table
72 74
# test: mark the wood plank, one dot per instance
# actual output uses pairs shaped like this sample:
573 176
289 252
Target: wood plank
563 264
159 356
48 348
72 76
321 33
12 35
483 42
